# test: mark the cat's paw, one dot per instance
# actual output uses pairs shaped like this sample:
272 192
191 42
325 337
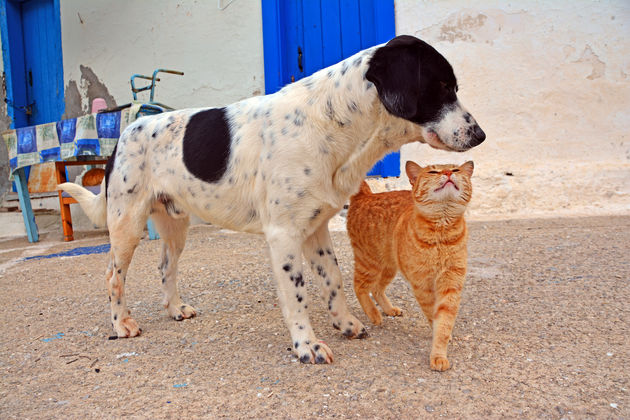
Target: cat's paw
317 352
439 363
394 311
351 327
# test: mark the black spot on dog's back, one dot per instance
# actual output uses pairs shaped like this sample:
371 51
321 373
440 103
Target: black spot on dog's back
207 144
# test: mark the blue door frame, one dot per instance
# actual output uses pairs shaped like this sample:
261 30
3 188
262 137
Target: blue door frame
303 36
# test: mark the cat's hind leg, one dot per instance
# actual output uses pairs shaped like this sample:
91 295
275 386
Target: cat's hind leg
378 292
362 286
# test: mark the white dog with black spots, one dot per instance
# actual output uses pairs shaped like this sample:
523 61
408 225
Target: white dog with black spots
281 165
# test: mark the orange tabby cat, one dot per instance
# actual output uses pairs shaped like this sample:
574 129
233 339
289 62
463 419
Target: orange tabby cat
423 234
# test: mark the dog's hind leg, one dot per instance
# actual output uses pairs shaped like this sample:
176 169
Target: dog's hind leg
173 233
319 250
286 259
124 234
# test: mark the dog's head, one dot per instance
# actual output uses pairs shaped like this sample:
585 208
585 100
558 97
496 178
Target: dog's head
415 82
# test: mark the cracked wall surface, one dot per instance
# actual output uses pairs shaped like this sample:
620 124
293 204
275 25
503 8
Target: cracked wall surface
219 51
79 97
5 123
548 82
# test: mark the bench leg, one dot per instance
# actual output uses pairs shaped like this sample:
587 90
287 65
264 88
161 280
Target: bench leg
25 202
66 220
152 232
64 209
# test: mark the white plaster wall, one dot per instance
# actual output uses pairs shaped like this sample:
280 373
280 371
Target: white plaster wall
220 51
548 82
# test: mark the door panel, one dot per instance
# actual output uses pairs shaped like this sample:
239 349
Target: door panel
304 36
33 62
43 60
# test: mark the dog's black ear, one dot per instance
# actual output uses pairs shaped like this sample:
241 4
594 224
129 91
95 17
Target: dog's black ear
395 71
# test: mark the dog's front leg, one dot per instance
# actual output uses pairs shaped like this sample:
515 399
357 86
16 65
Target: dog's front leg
318 250
286 259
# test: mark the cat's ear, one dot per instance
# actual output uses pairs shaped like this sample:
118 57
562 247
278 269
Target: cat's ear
413 170
468 167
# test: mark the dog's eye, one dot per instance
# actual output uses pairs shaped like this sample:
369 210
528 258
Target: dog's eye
448 87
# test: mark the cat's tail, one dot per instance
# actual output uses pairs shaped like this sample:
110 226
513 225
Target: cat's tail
94 205
364 189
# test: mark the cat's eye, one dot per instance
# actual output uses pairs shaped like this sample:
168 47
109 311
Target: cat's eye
433 172
455 170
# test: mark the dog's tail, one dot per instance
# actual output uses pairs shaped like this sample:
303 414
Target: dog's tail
94 205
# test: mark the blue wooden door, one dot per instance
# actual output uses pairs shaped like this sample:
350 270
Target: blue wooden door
33 61
36 62
303 36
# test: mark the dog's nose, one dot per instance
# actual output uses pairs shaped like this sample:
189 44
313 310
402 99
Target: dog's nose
478 135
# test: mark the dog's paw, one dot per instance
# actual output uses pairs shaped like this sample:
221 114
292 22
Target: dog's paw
351 327
181 311
317 352
127 327
439 363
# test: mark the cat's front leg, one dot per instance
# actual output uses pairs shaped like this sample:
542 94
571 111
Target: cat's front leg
448 296
318 250
423 291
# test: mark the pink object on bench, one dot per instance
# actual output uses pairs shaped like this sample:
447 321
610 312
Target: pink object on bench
98 104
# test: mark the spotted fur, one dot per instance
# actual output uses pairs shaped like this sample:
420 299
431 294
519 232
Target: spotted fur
281 165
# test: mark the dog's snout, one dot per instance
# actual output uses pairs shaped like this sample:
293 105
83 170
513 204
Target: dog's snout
478 135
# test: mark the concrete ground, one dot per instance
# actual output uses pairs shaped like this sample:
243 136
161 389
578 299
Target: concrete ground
542 333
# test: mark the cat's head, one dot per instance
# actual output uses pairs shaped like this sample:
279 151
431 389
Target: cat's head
441 184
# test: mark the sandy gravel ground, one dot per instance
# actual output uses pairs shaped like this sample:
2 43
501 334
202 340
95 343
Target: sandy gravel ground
543 332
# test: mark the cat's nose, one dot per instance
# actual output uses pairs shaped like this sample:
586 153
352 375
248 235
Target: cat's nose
447 172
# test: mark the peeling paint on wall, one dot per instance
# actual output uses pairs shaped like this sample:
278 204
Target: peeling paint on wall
599 67
95 88
79 97
74 106
220 51
549 85
5 123
5 120
460 27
